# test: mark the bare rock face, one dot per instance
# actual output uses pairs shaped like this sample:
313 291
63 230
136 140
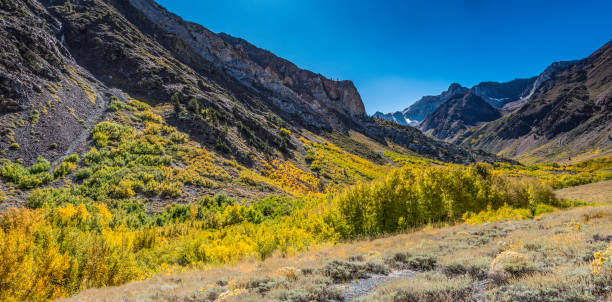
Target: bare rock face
28 52
294 90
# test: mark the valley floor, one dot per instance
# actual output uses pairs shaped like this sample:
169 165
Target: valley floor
547 257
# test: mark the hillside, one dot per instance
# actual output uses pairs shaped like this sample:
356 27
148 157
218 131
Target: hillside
567 116
222 95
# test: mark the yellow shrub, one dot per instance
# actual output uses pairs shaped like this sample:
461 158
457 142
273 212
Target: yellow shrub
510 264
289 272
602 262
287 176
123 189
502 213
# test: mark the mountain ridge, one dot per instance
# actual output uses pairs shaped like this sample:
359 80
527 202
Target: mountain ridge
507 96
221 97
459 113
568 114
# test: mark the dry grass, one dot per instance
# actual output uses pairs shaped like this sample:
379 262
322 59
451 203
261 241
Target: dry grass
600 192
557 243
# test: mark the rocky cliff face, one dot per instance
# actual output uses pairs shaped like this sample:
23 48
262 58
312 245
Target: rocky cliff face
396 116
504 98
513 105
46 99
297 91
341 96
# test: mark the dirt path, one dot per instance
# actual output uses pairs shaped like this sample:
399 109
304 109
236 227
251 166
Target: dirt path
362 287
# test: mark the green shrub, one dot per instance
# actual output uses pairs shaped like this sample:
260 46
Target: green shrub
259 285
541 208
41 165
193 105
316 288
173 189
27 178
83 173
138 105
12 172
64 169
34 116
115 104
342 271
222 147
475 268
413 262
31 181
72 158
559 292
105 132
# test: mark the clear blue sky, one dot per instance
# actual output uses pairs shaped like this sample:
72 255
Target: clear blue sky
397 51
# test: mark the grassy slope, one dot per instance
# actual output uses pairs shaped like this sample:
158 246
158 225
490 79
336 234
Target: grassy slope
560 244
595 192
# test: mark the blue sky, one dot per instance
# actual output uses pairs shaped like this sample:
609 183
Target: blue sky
398 51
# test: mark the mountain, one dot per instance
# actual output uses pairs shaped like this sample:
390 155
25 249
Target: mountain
63 62
397 117
568 114
417 112
500 94
459 113
494 93
508 96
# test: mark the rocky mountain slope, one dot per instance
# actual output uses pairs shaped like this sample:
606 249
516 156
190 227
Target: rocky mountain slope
507 96
458 114
513 104
494 93
500 94
569 113
63 61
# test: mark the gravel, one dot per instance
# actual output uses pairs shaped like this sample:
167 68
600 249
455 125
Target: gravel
362 287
